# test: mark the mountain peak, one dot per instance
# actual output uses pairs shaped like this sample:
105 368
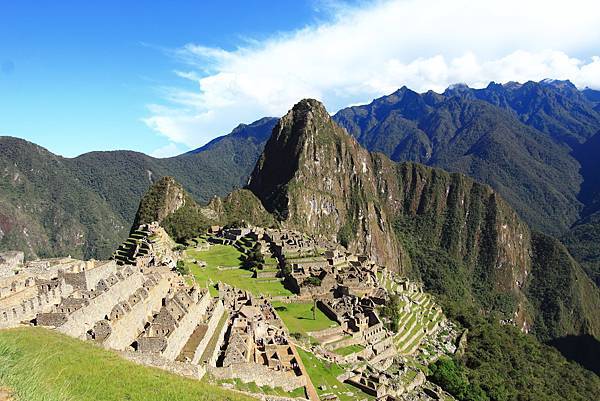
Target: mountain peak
308 122
164 197
559 84
315 178
308 104
304 111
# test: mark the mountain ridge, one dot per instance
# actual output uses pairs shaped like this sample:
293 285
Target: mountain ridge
103 190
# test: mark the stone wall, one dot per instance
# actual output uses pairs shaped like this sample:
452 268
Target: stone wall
212 361
126 329
179 368
85 275
213 323
100 271
30 308
186 326
259 374
9 261
343 343
82 320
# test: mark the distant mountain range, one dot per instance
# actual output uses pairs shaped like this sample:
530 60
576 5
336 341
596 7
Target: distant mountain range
50 205
531 142
535 143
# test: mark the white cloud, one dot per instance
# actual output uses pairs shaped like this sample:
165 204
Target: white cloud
366 52
169 150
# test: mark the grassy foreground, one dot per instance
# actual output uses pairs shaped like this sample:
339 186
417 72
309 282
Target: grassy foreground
39 364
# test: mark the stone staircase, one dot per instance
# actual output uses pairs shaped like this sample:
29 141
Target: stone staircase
137 245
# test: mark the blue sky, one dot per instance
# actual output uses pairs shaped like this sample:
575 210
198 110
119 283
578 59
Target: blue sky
78 75
163 77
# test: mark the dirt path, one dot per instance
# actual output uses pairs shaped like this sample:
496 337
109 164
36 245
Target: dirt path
5 394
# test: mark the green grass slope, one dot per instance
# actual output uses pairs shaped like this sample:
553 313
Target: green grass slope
38 364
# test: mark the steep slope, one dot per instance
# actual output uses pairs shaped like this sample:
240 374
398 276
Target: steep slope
516 138
45 210
458 236
564 296
583 239
317 179
85 206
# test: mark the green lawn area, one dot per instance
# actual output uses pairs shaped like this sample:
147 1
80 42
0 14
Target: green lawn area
43 365
228 256
324 373
351 349
298 317
253 388
217 255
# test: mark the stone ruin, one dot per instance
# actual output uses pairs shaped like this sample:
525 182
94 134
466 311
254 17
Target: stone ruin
256 347
137 305
10 262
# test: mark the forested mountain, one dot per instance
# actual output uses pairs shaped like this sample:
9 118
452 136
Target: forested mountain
531 142
85 206
534 143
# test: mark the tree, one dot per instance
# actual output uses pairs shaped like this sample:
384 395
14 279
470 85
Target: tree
254 258
451 377
391 311
312 281
181 268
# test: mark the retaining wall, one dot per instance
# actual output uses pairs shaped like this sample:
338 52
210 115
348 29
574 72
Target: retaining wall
82 320
261 375
156 361
186 326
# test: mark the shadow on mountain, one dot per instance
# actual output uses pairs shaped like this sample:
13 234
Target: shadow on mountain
584 350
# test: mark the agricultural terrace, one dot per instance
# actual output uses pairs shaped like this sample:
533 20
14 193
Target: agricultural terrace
417 317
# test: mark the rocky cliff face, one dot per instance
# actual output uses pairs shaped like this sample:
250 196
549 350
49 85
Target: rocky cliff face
317 179
164 198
